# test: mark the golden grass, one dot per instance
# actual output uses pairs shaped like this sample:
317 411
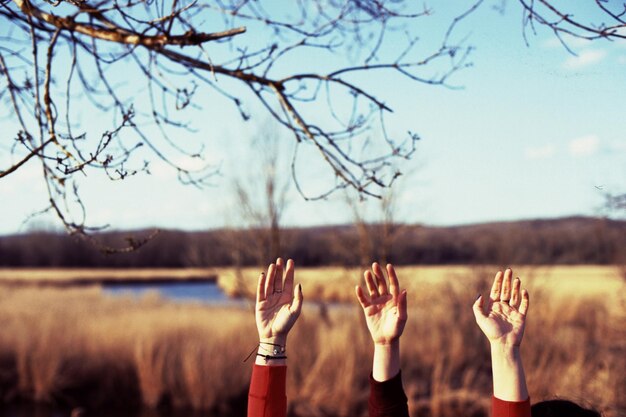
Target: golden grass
80 347
335 284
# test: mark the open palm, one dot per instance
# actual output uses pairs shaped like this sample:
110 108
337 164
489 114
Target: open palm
277 306
385 309
503 319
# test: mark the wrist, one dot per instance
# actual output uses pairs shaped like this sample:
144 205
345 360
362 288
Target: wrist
277 340
387 344
272 351
505 354
388 350
386 361
504 349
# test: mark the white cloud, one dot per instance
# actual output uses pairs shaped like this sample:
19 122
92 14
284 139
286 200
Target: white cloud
621 59
585 145
585 58
161 170
192 164
539 152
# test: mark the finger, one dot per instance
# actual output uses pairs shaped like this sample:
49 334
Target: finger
494 295
523 308
289 276
479 313
371 286
505 295
260 289
296 306
402 309
380 279
269 280
361 297
394 285
278 282
515 294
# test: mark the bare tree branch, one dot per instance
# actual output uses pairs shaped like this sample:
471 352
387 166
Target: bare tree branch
118 35
144 66
571 20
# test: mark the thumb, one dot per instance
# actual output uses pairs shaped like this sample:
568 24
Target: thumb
296 305
402 314
478 309
361 297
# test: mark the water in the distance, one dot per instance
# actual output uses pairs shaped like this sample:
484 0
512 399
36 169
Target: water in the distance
205 292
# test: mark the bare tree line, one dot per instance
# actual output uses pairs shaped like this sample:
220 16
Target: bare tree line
563 241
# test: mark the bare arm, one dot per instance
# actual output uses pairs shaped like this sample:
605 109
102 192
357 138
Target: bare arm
503 320
278 307
386 314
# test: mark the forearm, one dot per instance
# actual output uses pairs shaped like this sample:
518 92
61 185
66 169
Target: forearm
386 363
266 397
509 380
387 398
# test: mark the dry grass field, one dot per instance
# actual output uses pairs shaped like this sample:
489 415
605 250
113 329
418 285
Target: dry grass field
81 347
334 284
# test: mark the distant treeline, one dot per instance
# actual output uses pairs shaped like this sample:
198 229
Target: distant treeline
576 240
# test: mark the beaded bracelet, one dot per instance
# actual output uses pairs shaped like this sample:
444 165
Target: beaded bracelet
276 348
276 351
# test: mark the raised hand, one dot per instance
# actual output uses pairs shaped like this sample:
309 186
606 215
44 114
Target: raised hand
278 305
503 319
385 308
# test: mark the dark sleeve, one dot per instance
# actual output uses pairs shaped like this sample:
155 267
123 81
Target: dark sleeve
500 408
387 399
267 397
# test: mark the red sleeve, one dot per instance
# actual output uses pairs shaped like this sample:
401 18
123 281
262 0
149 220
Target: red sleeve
387 399
501 408
267 397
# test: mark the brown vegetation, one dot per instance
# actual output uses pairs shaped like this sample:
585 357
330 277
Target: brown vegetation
567 241
83 348
78 347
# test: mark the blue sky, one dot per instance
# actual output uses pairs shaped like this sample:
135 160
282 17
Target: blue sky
534 132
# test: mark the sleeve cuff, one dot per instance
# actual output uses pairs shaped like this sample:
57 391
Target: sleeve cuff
387 394
267 396
501 408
